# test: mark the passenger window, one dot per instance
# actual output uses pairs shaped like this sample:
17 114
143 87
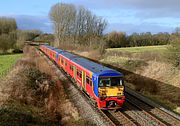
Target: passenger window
62 61
79 73
71 67
88 80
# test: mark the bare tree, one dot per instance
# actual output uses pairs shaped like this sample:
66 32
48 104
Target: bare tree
63 18
75 24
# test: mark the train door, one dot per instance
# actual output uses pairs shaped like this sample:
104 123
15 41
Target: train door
59 62
57 58
65 64
83 80
75 72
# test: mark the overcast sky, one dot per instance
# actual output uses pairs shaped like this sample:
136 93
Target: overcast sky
122 15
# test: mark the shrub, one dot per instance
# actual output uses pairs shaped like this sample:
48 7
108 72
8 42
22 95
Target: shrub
143 84
6 42
174 52
17 51
36 78
133 64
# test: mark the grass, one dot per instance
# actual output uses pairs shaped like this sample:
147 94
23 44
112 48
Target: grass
147 53
7 61
124 62
142 49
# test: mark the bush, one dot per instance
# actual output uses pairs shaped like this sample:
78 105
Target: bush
174 52
36 78
17 51
6 42
116 39
133 64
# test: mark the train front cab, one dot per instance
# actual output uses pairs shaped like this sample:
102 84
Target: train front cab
110 92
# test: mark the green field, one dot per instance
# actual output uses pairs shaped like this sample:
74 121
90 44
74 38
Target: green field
142 49
7 61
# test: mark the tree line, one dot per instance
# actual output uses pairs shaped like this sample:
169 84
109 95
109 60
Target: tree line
120 39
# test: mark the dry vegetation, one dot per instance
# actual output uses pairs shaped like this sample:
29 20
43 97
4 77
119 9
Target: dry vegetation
149 72
32 94
86 51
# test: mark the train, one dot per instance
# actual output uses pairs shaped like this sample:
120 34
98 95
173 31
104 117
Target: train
105 86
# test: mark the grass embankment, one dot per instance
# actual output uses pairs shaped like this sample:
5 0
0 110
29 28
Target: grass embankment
151 74
33 95
7 61
160 48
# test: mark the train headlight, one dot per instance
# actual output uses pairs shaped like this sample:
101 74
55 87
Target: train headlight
120 94
103 97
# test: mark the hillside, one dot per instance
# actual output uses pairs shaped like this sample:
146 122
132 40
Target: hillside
150 62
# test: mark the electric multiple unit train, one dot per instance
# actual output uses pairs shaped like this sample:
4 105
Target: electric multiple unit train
103 85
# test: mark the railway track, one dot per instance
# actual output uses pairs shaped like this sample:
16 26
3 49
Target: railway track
143 117
123 119
156 114
135 112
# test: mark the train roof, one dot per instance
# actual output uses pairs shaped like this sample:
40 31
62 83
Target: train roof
69 55
96 68
92 66
50 47
58 50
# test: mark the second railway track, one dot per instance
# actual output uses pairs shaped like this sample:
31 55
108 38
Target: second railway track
157 114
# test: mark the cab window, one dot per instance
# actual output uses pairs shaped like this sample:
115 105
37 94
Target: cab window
105 82
116 81
108 82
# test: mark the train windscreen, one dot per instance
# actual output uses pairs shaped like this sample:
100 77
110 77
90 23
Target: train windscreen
110 82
